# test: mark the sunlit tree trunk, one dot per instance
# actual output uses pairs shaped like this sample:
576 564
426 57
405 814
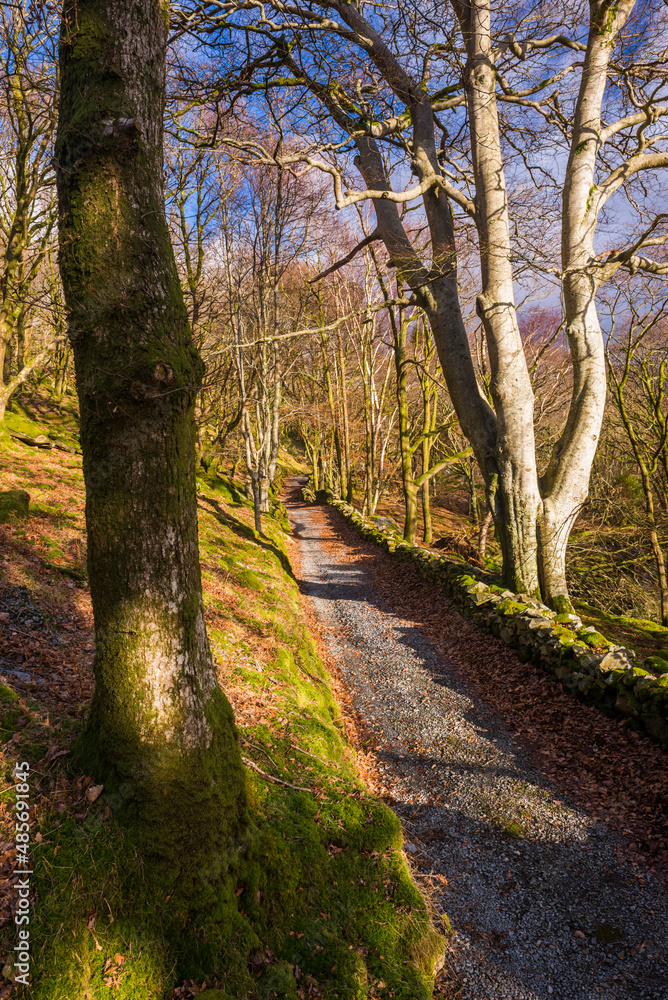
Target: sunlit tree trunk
565 484
429 417
343 390
334 418
517 495
160 733
367 375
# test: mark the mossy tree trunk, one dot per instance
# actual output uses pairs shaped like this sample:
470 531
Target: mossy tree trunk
406 451
343 389
160 734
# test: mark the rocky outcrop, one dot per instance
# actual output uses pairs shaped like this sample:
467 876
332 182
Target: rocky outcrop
40 441
586 663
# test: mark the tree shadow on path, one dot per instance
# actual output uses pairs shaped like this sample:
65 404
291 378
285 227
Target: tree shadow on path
543 898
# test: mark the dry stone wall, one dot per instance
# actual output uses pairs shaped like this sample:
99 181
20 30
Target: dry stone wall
587 664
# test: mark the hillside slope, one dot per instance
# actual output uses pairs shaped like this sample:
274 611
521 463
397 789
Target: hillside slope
320 902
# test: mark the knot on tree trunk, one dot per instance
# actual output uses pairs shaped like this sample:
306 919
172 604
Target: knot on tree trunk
160 380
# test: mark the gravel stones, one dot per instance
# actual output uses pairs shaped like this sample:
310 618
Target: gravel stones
543 900
584 661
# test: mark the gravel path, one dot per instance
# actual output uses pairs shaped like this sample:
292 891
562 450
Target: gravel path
543 901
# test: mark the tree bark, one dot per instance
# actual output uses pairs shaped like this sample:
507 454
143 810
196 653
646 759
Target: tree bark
427 530
343 389
429 415
517 497
367 375
334 419
482 535
565 484
160 733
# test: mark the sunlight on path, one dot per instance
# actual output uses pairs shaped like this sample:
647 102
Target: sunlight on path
541 900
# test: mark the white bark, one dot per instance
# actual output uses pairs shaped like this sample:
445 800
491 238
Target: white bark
565 484
518 497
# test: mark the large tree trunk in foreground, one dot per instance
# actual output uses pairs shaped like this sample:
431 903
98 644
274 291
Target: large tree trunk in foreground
160 733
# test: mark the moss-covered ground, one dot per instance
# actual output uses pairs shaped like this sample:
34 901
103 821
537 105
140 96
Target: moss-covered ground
641 635
318 901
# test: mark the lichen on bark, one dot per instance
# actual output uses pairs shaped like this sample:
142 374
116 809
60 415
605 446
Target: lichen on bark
160 733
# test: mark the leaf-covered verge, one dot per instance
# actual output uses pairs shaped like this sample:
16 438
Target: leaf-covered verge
586 663
318 901
455 538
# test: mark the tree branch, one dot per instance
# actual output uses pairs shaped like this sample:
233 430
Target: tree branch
614 180
371 238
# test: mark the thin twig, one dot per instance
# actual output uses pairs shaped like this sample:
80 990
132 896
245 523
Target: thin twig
259 749
270 777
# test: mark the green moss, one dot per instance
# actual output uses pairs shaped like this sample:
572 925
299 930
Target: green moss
14 504
627 703
565 635
226 488
637 634
510 607
561 605
593 639
279 981
9 701
247 578
8 696
657 664
17 421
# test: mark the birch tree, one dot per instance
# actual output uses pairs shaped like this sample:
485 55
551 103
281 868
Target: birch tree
408 93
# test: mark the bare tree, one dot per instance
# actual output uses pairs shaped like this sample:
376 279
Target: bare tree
28 91
402 76
638 379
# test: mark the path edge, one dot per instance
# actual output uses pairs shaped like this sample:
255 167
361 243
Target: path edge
587 664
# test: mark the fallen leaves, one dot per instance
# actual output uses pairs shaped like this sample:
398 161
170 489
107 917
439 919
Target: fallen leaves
94 792
113 972
617 775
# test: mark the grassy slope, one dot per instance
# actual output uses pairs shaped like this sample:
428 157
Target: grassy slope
319 901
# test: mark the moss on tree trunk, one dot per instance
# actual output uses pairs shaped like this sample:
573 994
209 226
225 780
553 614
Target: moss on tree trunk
160 733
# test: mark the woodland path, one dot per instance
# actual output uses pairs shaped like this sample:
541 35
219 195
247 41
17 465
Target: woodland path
545 900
